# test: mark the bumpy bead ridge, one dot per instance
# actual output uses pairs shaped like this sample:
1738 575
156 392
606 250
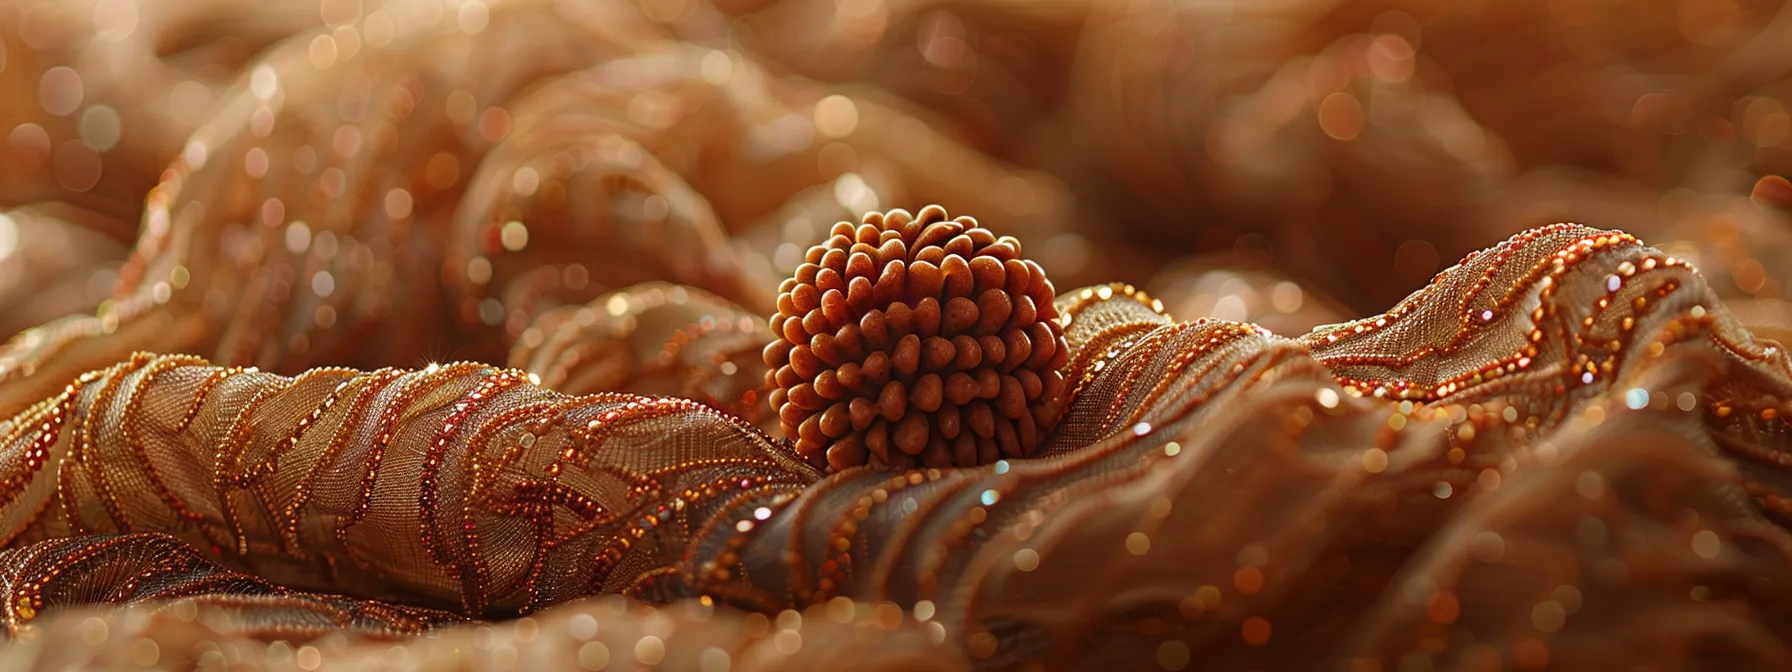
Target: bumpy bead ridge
916 339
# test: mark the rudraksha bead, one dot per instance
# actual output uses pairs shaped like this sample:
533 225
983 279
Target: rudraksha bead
916 339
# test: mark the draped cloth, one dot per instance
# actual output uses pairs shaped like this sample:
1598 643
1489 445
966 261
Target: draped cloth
1563 451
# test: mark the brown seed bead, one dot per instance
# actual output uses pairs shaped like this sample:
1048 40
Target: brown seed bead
988 272
860 294
961 313
993 310
876 370
862 412
871 326
835 421
911 434
937 455
964 450
993 349
966 353
959 281
877 440
849 451
937 353
907 356
947 421
828 386
916 339
833 307
892 403
928 393
786 377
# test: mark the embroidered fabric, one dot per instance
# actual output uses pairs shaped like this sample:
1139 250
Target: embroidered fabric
1568 450
1558 438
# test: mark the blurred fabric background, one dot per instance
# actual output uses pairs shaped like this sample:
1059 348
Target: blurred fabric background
1288 161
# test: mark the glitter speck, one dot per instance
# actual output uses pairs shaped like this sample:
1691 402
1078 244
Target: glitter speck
1375 460
195 154
651 650
717 68
1327 398
714 660
514 236
9 236
100 128
473 17
323 283
1026 560
1138 544
1173 655
59 91
323 52
1706 544
836 116
264 82
1548 616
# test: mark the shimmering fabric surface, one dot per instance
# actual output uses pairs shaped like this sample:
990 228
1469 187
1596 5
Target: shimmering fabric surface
417 335
1488 463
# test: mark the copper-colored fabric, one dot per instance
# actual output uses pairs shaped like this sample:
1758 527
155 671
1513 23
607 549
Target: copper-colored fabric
355 210
101 95
654 338
419 483
594 634
57 261
156 569
1213 487
1568 450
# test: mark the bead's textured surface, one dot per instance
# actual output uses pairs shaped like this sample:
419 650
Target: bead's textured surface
916 340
